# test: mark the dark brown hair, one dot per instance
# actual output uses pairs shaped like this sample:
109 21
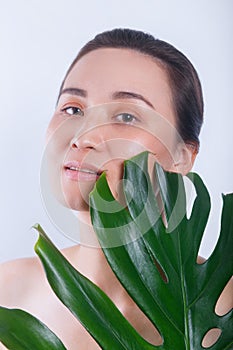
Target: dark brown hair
183 78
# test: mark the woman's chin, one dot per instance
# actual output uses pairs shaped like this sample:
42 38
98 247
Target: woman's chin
72 200
75 203
75 195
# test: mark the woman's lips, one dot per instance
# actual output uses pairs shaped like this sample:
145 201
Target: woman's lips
78 171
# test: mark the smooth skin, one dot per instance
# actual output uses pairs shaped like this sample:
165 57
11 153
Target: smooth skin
100 141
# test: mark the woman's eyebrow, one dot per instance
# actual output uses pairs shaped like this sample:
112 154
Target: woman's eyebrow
130 95
74 91
115 96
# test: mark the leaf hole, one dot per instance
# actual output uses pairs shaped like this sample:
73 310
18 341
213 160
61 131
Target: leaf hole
160 270
225 301
191 194
211 337
142 324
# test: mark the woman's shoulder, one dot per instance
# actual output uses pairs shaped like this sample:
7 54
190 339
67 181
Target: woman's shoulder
23 279
12 269
16 278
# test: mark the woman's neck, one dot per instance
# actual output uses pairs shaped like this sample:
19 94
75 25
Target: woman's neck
89 259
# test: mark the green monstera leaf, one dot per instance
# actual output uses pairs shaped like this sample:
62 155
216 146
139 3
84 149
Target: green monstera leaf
21 331
155 262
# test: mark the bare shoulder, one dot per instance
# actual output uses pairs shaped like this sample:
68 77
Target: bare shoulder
16 277
23 279
17 281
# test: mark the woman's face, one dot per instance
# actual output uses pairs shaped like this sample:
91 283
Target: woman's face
115 103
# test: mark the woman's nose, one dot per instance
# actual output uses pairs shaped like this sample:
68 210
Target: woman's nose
90 139
93 131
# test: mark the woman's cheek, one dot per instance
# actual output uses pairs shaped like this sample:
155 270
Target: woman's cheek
60 132
53 125
162 153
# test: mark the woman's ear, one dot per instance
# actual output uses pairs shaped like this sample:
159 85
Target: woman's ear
185 157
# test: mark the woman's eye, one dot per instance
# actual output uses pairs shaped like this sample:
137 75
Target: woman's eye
73 111
125 118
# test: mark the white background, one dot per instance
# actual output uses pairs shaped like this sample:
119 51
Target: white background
39 39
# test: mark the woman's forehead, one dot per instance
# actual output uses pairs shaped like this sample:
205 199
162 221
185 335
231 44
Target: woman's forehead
104 71
122 65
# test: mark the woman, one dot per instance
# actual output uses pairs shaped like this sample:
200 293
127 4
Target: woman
124 93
